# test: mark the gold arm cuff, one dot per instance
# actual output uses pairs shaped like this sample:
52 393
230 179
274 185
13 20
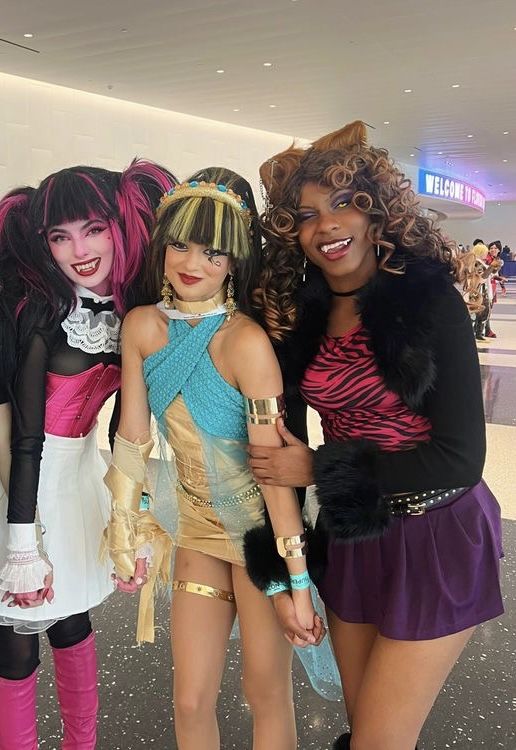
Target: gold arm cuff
265 410
202 590
291 546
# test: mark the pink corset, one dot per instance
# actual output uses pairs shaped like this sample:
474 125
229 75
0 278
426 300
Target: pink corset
73 401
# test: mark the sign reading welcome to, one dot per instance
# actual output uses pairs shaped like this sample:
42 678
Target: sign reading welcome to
451 189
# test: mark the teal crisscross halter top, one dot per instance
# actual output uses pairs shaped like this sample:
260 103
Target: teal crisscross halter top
184 366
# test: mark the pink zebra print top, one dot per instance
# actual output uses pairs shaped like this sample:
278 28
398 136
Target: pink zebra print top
343 384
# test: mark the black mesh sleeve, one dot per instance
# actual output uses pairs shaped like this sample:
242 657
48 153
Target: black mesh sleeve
28 431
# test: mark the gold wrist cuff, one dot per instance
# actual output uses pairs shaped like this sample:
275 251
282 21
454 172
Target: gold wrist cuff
291 546
265 410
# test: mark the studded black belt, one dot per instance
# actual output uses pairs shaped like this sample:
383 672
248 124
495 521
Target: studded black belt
417 503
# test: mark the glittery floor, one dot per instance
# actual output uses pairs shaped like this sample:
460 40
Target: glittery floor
475 710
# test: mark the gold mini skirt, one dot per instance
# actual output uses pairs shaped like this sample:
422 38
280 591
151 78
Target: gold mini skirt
199 528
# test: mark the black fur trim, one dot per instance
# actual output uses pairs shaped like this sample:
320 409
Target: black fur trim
262 560
352 506
317 552
343 742
397 310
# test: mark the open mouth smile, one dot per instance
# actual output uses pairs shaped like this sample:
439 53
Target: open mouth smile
335 250
87 269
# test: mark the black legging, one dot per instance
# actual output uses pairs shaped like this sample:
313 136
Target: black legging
19 653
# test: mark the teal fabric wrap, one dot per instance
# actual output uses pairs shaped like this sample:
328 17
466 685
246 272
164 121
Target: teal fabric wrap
184 366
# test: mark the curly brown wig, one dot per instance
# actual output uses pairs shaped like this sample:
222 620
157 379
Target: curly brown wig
377 187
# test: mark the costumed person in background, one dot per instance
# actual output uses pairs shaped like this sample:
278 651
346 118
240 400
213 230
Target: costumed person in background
469 279
495 263
209 375
74 246
381 346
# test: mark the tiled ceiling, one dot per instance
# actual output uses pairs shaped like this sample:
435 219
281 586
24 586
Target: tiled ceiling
331 61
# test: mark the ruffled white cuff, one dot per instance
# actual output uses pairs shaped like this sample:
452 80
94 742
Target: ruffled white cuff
25 569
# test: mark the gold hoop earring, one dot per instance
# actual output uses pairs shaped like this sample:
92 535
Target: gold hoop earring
167 293
231 307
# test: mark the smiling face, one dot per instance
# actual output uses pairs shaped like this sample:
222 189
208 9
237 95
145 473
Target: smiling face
196 272
333 236
84 251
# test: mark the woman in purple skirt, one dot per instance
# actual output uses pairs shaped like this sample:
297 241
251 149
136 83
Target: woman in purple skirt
358 293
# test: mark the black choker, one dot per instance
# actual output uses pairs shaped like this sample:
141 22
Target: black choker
351 293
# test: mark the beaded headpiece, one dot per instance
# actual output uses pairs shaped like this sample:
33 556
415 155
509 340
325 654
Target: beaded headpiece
196 189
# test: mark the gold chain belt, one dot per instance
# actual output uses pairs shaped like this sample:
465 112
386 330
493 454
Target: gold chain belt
227 500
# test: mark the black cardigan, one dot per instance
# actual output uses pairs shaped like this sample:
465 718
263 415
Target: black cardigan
422 340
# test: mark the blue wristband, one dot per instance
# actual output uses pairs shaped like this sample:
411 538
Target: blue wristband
300 582
275 587
145 501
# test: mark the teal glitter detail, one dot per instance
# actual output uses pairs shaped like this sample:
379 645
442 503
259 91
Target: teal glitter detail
184 366
194 183
222 188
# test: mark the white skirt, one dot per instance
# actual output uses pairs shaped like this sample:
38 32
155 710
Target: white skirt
73 509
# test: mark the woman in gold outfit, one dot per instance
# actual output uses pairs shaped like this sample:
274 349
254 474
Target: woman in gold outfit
209 375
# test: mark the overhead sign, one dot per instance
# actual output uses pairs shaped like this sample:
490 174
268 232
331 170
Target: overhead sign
451 189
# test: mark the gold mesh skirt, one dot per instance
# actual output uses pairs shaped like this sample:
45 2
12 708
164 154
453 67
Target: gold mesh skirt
200 529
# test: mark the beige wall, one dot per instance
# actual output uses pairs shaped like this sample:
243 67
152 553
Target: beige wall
44 128
498 223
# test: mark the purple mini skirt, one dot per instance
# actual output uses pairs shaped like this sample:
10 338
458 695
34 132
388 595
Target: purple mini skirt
427 577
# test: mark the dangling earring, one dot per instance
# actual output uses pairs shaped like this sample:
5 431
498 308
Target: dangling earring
378 251
303 278
167 293
231 307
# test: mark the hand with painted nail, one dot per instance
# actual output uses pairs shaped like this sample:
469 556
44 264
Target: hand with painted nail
30 599
137 580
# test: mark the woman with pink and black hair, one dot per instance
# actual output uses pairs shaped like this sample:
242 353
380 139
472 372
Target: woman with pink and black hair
70 256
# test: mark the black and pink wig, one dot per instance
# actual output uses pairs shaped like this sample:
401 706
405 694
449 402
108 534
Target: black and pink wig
126 201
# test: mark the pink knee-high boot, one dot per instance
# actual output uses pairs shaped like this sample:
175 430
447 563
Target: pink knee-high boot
76 682
18 714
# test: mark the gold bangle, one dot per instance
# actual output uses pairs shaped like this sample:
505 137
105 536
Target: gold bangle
265 410
291 546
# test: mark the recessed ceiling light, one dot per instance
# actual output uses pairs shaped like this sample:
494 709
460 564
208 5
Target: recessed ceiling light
407 91
500 184
237 109
220 70
477 171
498 204
273 106
28 36
505 161
439 153
455 85
506 132
470 135
412 154
267 65
386 122
124 31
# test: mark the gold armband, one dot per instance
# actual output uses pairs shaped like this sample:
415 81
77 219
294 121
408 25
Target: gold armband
291 546
265 410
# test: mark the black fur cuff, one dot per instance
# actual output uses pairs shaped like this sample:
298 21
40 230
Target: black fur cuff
262 560
343 743
352 506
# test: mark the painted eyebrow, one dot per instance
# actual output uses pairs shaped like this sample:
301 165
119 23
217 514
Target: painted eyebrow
337 191
86 225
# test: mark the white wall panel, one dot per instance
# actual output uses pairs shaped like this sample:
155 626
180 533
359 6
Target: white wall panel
498 223
44 128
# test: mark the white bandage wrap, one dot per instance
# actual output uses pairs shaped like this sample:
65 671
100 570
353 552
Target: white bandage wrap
25 569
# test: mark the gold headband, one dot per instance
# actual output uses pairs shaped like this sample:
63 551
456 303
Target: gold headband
203 189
